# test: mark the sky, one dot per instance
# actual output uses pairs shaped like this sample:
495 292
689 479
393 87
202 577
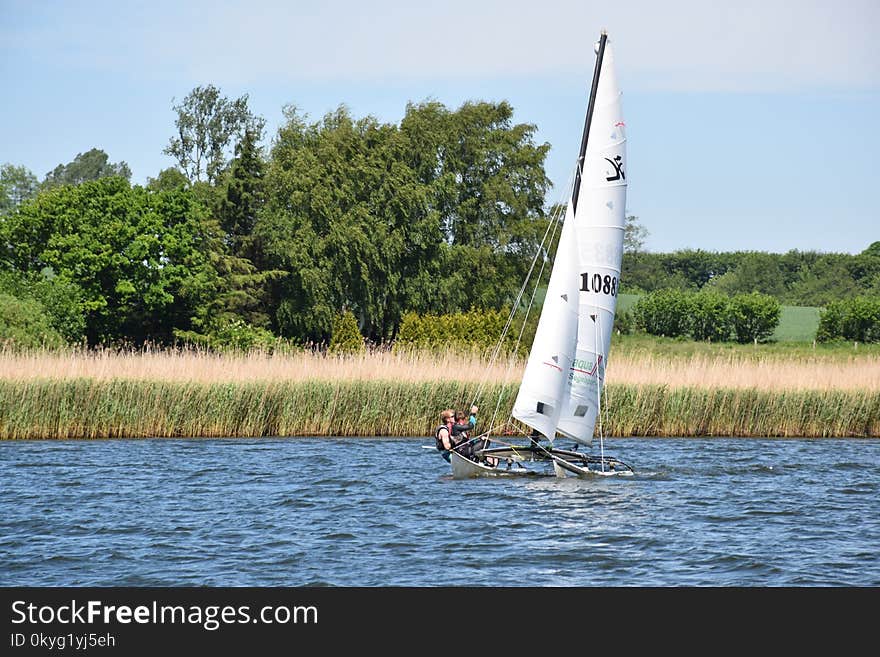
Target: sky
751 125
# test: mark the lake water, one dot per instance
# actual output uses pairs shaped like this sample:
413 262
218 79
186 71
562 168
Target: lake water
377 512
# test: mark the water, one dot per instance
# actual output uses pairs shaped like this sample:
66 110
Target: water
379 512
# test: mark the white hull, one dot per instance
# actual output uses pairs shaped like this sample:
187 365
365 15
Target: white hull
563 469
510 464
464 468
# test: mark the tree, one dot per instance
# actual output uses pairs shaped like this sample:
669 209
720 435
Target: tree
59 298
91 165
634 235
17 184
168 180
347 220
855 319
24 323
244 197
710 316
485 180
873 249
144 261
754 316
346 337
207 123
664 312
442 213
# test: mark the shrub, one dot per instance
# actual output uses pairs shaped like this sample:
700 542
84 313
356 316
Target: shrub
476 329
855 319
664 312
623 322
236 335
25 323
347 338
754 316
710 316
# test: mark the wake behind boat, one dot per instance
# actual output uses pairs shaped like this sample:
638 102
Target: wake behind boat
561 391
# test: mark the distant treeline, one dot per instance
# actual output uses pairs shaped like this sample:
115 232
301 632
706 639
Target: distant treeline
443 212
242 244
796 278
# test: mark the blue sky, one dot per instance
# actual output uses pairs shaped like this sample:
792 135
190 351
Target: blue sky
750 124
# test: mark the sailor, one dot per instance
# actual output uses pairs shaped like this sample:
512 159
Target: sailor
461 432
443 433
462 428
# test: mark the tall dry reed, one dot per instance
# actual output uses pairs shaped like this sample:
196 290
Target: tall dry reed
100 394
192 366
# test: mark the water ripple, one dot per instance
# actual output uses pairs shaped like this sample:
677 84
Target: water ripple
333 512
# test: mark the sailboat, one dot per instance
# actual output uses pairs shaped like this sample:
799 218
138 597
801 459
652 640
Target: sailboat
560 396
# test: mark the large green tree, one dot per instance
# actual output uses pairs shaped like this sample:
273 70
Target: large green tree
441 213
346 219
143 261
91 165
244 196
17 184
486 185
208 126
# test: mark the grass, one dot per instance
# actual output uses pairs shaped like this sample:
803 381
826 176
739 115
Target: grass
82 408
655 387
797 324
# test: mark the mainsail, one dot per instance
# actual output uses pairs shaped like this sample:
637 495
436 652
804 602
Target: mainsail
562 383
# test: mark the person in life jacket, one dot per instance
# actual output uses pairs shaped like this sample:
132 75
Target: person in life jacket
463 426
443 433
461 436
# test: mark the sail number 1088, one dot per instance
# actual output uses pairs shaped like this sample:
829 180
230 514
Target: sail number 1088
599 284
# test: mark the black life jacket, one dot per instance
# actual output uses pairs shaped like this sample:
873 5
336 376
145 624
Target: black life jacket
439 442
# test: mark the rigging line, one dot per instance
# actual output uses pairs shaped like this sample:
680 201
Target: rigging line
510 317
535 289
528 311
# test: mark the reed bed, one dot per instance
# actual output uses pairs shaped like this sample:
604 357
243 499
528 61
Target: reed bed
731 371
104 394
724 370
196 366
86 408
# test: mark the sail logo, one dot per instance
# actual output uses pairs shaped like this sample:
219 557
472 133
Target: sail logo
587 367
617 163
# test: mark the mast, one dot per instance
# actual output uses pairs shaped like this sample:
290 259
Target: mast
592 103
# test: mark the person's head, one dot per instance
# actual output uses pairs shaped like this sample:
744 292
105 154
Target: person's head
460 416
447 416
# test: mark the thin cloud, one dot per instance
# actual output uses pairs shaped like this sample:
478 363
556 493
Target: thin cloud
690 45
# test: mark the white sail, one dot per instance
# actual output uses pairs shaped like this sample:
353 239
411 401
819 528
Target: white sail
542 392
599 225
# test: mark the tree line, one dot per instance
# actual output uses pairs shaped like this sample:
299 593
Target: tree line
706 315
442 212
244 241
796 278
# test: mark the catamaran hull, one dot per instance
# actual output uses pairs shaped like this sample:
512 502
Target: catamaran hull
564 468
566 463
465 468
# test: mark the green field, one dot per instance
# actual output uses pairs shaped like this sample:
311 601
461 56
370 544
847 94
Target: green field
797 324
